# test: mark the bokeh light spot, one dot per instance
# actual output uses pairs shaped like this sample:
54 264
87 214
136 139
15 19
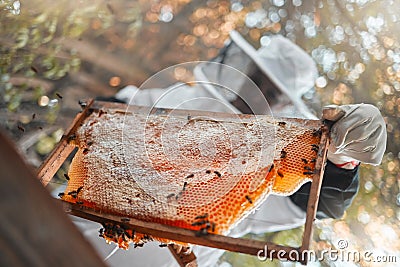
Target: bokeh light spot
43 101
115 81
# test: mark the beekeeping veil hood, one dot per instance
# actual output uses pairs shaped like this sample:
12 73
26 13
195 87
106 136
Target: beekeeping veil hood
288 67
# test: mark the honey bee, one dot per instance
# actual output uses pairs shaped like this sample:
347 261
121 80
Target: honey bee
205 215
129 235
212 227
178 195
147 238
184 186
283 154
280 174
124 237
208 171
314 149
170 195
73 194
82 103
304 160
218 173
79 189
281 123
22 129
202 232
271 167
71 137
60 195
249 199
34 69
198 223
317 132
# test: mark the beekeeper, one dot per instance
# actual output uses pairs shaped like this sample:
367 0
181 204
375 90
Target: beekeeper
272 80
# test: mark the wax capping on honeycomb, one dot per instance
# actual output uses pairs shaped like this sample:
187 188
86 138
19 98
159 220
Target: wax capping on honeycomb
194 172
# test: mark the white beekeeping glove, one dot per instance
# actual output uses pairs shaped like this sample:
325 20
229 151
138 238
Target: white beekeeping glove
357 135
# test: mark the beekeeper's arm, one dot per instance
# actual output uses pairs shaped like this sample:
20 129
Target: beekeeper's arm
357 135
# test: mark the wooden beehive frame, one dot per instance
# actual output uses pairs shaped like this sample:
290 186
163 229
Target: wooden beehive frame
252 247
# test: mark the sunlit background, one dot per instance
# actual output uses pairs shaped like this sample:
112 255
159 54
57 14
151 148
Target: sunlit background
53 53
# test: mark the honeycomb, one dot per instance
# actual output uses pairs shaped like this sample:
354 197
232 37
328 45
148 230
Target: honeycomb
192 172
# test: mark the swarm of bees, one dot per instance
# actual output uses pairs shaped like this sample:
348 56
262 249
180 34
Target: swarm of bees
120 235
123 236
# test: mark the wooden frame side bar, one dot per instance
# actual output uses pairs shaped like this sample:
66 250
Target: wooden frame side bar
63 149
312 204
